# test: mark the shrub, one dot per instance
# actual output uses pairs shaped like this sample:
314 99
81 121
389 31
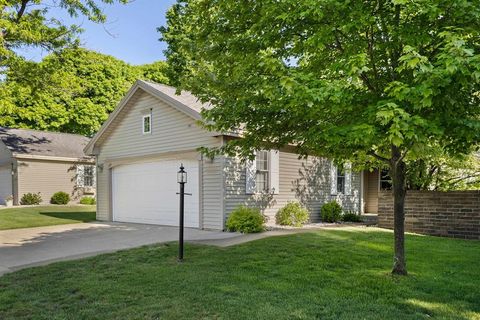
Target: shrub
351 217
88 200
29 199
60 197
246 220
331 211
292 214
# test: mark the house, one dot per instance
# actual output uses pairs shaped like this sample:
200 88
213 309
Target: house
44 162
140 147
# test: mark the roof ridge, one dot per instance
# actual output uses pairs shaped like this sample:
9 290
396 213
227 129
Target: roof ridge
167 85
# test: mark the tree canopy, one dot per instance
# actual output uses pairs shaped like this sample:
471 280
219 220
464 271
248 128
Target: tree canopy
445 173
28 23
388 80
72 90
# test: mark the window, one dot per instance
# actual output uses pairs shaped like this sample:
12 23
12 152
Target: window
385 180
262 171
85 176
88 176
340 181
147 124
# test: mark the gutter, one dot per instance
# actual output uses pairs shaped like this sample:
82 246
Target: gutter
52 158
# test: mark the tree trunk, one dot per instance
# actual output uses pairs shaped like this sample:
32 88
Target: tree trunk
398 172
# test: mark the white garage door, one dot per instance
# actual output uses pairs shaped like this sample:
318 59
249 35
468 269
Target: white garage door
146 193
5 184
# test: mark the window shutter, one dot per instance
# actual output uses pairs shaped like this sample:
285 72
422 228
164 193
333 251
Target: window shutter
274 173
333 179
348 178
250 176
80 169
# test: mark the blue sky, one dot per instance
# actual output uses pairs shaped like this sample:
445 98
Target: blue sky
129 34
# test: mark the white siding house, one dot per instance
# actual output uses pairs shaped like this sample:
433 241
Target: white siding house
141 146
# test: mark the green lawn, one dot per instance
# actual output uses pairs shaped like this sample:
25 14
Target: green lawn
331 274
27 217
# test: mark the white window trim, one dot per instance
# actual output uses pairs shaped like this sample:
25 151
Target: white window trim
268 171
273 174
80 183
347 182
149 116
93 176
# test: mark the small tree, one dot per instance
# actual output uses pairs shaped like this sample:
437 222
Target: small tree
385 81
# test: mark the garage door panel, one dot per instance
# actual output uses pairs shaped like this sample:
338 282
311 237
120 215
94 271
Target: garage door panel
146 193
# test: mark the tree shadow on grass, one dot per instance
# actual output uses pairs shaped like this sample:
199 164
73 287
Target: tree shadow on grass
318 275
79 216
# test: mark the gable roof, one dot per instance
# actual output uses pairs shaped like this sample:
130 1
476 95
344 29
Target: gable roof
43 143
184 102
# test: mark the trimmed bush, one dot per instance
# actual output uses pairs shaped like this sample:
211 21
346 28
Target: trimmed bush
60 197
29 199
351 217
246 220
292 214
331 212
88 200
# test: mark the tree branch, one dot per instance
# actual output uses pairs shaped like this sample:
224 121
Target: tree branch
21 11
378 157
458 179
406 151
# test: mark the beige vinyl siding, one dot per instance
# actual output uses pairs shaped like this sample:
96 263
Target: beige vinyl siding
5 173
172 132
295 174
47 177
212 193
5 155
5 184
303 180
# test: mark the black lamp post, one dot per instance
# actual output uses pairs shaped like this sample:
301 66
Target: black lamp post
181 179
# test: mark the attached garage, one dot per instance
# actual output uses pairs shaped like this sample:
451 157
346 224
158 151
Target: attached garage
146 193
139 151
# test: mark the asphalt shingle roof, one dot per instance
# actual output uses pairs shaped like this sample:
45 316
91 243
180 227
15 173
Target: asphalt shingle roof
185 97
43 143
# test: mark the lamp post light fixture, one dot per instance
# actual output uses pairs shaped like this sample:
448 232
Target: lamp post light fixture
182 175
181 179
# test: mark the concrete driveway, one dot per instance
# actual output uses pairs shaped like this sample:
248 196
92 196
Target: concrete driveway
21 248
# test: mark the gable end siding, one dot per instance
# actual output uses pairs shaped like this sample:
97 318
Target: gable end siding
172 131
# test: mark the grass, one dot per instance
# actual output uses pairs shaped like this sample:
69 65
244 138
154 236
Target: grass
328 274
37 216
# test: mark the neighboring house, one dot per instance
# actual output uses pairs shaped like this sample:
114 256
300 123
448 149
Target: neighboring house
37 161
152 131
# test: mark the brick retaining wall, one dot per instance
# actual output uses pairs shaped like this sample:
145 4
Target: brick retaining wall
448 214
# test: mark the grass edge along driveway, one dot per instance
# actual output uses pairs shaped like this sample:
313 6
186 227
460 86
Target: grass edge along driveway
39 216
326 274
